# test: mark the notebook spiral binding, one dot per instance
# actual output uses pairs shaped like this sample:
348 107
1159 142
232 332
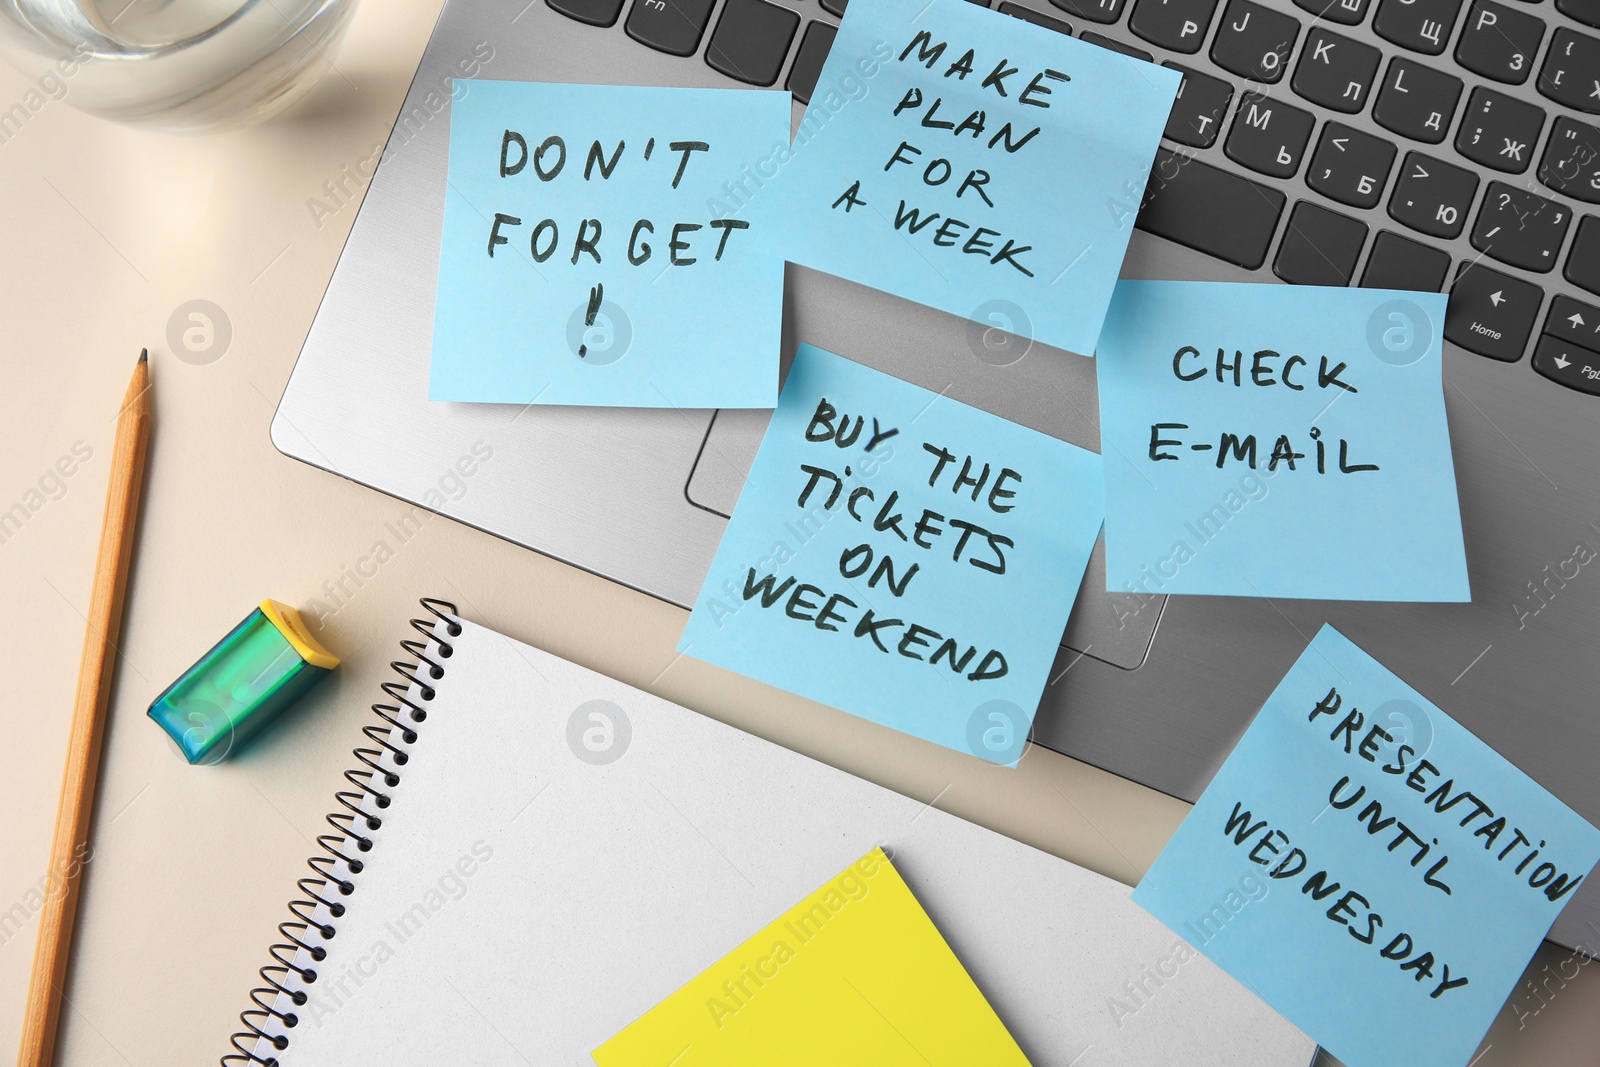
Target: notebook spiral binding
334 870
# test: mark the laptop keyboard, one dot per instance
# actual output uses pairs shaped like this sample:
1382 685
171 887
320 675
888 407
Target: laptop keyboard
1466 183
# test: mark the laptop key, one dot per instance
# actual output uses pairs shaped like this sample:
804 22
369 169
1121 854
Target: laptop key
1254 41
1571 365
1499 42
751 40
1583 262
1102 11
1400 263
1176 24
1197 112
1520 228
1348 12
1420 25
594 12
1320 247
834 7
1028 14
670 26
1268 135
1571 71
1335 71
1573 320
1416 101
1584 11
1499 131
1116 46
808 61
1571 162
1491 313
1209 209
1432 197
1350 166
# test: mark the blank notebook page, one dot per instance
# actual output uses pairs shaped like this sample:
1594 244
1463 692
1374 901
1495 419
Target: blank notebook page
524 900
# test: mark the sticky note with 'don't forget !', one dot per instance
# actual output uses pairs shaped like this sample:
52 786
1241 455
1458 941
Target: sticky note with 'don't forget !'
1368 867
970 161
584 259
855 975
901 556
1278 441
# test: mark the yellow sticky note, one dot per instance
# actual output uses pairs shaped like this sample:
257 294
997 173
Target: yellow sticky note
856 973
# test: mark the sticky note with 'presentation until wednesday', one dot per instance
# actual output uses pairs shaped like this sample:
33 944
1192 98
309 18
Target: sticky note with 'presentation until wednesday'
970 161
1278 441
1368 867
856 974
584 259
901 556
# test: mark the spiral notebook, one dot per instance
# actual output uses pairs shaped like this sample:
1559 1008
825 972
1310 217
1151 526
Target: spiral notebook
534 855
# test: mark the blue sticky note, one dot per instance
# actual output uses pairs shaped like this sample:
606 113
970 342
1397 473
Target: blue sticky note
582 261
970 161
1278 441
1372 870
901 556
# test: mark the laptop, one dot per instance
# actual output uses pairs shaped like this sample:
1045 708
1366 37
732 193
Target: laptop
1444 144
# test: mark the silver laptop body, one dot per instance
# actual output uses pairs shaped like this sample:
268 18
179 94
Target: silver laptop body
1153 688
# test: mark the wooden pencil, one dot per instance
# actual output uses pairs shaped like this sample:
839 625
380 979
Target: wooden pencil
45 989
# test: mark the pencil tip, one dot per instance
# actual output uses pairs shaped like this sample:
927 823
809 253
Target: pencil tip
144 355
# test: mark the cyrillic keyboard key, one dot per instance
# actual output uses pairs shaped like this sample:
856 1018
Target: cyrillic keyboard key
1499 42
1116 46
1268 135
1103 11
1319 247
1350 166
1420 25
1491 313
1197 112
1571 162
808 61
1583 262
1520 228
1210 210
1335 71
1254 41
1571 71
670 26
1567 363
1584 11
751 40
1400 263
1431 196
1573 320
594 12
1028 14
1176 24
1347 12
1416 101
1499 131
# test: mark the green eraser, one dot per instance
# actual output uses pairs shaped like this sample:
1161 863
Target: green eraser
264 664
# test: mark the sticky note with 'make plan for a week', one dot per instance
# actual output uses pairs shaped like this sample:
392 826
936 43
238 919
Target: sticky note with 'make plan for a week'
970 161
1278 441
855 974
584 259
901 556
1368 867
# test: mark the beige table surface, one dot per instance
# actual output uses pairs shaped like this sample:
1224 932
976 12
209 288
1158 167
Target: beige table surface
104 232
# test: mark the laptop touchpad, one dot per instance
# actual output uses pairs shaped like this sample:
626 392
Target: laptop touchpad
1115 628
